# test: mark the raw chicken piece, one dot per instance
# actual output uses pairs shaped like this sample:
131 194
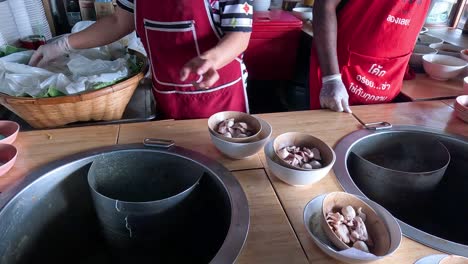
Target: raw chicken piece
361 246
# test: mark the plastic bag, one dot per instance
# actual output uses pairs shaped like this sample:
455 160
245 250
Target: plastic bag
83 70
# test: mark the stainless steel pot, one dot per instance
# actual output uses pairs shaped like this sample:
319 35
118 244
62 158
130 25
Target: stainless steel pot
50 217
433 223
140 198
398 167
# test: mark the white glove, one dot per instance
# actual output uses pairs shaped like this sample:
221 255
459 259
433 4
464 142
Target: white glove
333 94
51 51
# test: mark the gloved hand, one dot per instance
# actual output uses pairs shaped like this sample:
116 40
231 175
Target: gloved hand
333 94
51 51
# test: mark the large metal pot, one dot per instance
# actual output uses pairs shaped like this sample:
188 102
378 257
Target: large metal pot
50 216
396 168
432 223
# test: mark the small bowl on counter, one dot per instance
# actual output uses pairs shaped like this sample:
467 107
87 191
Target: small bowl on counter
418 52
303 143
461 107
243 150
443 67
297 176
447 49
314 223
428 40
303 13
8 154
337 203
235 118
8 131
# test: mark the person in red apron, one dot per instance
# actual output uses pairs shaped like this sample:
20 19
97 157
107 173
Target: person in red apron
361 50
195 48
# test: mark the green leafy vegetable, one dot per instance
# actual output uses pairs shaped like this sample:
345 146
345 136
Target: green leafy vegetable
8 49
53 92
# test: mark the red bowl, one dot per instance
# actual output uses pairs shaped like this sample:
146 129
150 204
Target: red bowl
8 154
9 129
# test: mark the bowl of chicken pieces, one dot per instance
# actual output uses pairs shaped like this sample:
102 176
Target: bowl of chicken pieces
350 222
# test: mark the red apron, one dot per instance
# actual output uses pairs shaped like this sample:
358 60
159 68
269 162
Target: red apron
374 43
174 32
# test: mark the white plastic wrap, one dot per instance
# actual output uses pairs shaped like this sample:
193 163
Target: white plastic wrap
82 70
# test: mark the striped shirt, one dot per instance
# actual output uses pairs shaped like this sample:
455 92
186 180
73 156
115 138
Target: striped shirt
228 15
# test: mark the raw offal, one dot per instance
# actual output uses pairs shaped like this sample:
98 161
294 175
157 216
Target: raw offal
301 157
349 226
232 129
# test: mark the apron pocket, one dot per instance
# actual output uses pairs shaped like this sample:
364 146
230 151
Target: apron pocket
160 38
374 79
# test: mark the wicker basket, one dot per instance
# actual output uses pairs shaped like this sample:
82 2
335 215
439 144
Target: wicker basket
107 104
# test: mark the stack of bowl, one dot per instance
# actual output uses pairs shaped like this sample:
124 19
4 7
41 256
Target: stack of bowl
382 228
303 13
418 52
427 40
8 132
239 148
294 175
447 49
461 107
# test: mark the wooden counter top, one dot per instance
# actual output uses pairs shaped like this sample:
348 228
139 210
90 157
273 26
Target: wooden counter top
192 134
277 233
271 238
36 148
424 88
433 114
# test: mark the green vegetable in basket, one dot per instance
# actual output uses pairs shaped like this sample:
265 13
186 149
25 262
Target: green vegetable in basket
134 65
53 92
8 49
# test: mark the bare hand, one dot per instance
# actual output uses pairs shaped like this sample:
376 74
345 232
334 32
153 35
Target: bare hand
203 67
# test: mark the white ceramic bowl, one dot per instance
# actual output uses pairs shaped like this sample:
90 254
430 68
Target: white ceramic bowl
292 176
303 13
418 52
443 67
312 222
447 49
243 150
461 107
252 122
428 40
